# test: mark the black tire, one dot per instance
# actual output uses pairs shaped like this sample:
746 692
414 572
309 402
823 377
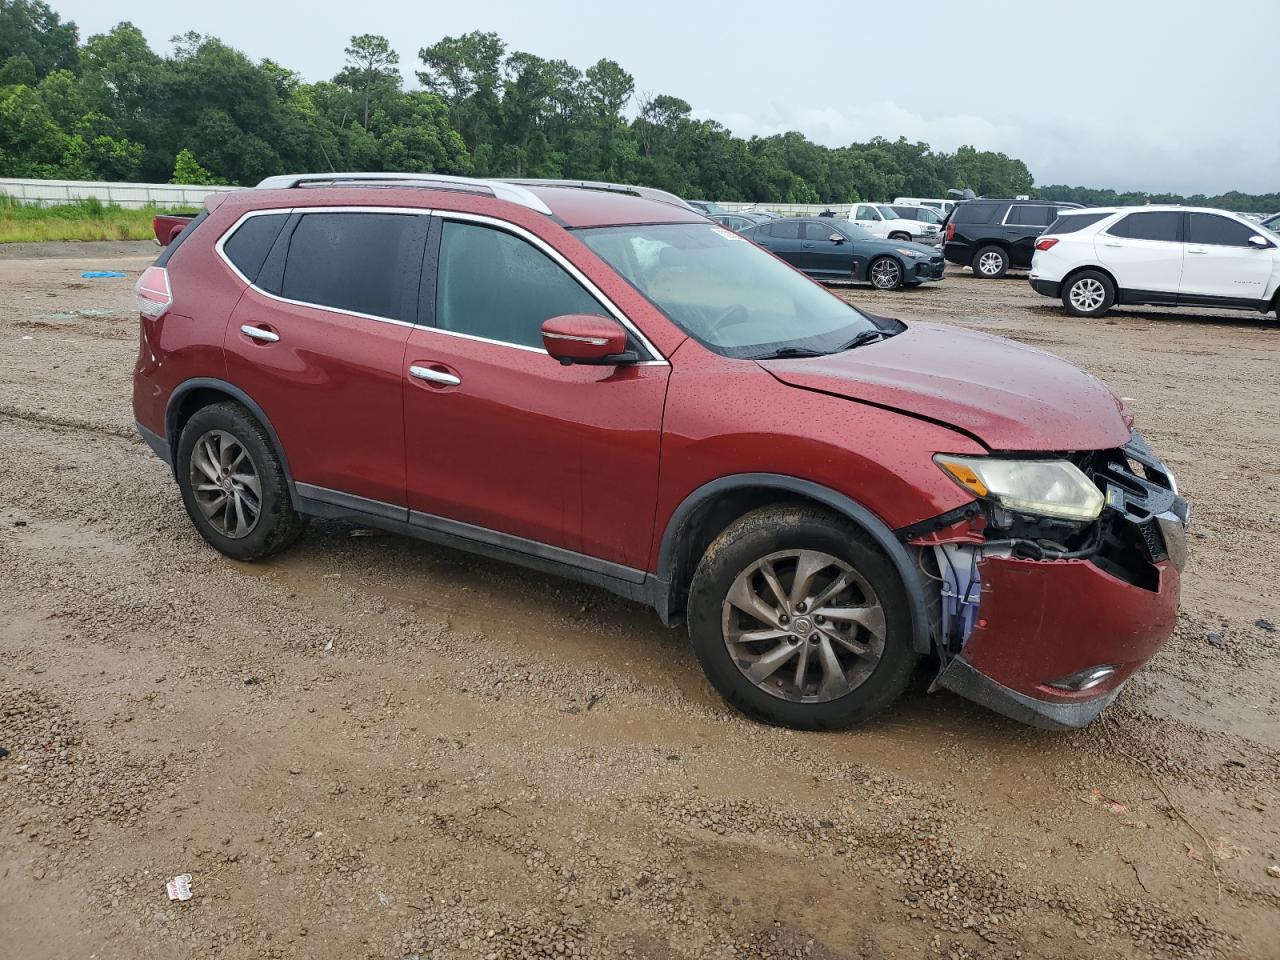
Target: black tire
276 524
1089 293
990 263
771 532
889 274
899 235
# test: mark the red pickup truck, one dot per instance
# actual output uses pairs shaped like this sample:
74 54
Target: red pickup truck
168 226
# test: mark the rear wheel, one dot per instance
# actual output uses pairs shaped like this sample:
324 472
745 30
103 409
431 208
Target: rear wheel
990 263
798 621
885 273
1089 293
233 484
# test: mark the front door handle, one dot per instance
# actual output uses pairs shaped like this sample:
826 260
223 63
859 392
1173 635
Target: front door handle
434 376
1198 251
1113 244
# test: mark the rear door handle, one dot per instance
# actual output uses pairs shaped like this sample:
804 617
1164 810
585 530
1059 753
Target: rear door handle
434 376
257 333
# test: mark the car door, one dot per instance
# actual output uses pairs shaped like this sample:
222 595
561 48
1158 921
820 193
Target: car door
822 256
1220 264
317 341
782 237
504 444
1143 251
1023 224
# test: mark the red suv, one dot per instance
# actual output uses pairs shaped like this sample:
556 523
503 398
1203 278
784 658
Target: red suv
599 382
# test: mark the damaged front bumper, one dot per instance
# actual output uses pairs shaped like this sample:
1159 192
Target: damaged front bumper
1051 641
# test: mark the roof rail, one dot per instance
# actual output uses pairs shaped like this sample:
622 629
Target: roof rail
501 190
648 193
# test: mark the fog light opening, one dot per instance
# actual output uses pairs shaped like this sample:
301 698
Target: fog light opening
1085 679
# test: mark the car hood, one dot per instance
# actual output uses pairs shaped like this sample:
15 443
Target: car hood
1009 396
877 245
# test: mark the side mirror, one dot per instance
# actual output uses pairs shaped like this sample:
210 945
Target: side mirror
836 237
1258 243
583 338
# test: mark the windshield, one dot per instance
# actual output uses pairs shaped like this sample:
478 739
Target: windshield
852 230
1273 225
725 292
888 213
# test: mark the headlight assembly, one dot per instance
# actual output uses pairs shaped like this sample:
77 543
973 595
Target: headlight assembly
1047 488
914 254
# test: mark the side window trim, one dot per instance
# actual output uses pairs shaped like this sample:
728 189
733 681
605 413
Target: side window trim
286 237
655 356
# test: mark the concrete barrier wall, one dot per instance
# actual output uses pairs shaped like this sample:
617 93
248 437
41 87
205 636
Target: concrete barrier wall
51 192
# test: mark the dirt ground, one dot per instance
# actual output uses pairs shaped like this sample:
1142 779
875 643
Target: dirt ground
373 748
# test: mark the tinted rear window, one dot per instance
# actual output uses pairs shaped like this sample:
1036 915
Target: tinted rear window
1159 225
785 230
975 212
248 247
357 262
1077 222
1030 215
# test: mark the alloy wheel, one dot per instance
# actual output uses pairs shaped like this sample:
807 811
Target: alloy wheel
1087 295
226 484
990 264
803 626
885 274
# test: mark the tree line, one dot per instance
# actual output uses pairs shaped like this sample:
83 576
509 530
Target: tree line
111 108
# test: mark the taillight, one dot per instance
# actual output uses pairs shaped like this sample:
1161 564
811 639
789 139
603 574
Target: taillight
1046 243
951 231
153 292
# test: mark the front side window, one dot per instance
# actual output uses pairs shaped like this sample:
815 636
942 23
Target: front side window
1162 225
818 231
493 284
726 292
867 213
1209 228
356 262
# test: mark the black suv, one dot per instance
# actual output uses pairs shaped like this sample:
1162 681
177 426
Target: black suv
993 235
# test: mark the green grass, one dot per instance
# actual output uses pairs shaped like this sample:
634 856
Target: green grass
81 220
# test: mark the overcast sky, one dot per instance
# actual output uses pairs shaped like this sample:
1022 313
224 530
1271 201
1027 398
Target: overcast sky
1178 95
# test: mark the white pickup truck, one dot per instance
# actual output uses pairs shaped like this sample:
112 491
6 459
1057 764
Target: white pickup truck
880 220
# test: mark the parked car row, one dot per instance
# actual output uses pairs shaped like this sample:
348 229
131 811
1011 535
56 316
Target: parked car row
828 248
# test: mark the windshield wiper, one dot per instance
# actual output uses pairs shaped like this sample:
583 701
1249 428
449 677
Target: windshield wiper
786 352
865 337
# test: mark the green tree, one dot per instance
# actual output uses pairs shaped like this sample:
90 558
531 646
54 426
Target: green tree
186 169
371 64
30 29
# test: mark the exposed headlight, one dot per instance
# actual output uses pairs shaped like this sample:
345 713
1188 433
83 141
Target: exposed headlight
1049 488
909 253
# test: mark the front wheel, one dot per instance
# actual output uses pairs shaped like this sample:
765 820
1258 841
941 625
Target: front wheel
899 235
885 273
990 263
1088 294
797 620
233 483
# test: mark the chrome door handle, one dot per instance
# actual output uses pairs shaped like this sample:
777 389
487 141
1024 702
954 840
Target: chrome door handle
1196 251
1113 244
434 376
266 336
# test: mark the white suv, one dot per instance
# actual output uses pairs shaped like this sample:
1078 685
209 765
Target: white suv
1096 258
880 220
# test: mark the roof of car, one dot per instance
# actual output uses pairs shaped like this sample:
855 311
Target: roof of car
1150 208
572 205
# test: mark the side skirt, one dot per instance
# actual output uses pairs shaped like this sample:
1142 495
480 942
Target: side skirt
626 582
